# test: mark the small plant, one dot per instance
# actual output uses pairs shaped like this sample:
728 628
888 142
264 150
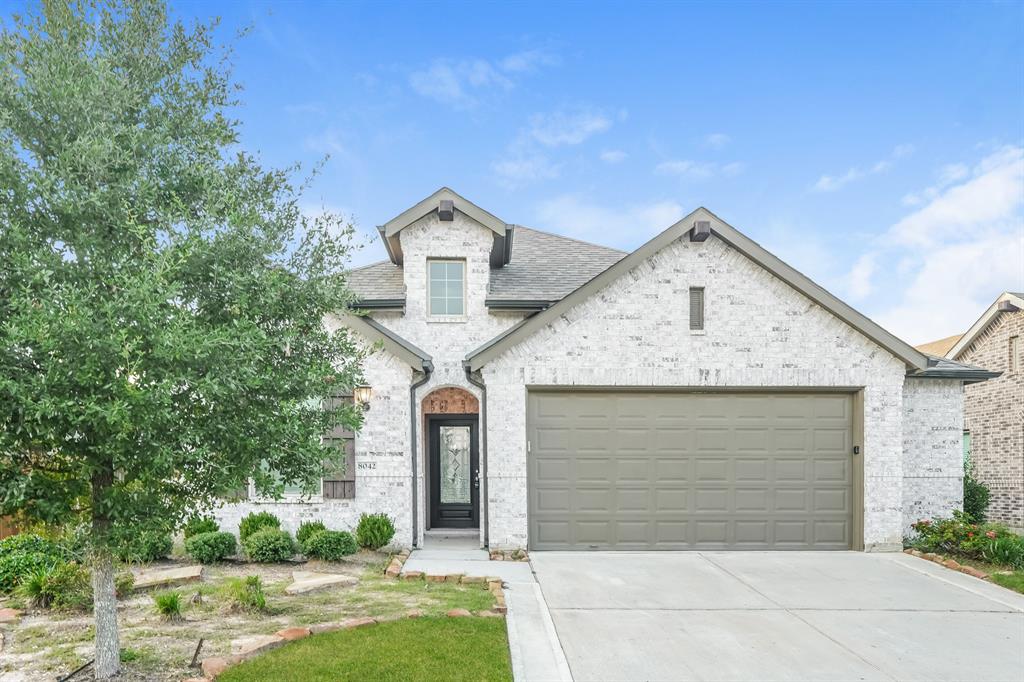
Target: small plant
168 605
245 594
145 546
1005 551
33 587
24 554
269 545
308 529
330 545
208 548
124 583
256 521
68 586
199 524
976 496
374 530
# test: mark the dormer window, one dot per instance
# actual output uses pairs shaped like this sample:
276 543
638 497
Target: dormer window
446 287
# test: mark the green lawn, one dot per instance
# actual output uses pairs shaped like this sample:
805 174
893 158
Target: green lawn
422 649
1013 581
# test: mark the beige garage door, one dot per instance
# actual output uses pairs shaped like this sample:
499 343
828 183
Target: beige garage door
635 471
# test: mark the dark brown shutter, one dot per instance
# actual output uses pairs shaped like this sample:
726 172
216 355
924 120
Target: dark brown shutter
697 308
341 484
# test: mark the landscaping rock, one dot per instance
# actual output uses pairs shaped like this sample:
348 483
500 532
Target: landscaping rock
308 581
247 647
473 579
216 665
949 563
167 576
488 614
353 623
413 575
194 679
453 577
414 613
435 578
459 613
972 571
9 616
500 610
291 634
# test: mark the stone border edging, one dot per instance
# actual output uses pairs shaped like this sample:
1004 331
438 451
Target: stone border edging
396 564
948 563
259 644
509 555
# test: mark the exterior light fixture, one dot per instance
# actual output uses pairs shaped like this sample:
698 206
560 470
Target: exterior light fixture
361 396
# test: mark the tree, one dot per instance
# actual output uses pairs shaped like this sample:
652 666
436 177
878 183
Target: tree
162 295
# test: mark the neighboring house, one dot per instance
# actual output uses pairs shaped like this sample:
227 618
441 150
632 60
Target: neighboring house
697 393
994 410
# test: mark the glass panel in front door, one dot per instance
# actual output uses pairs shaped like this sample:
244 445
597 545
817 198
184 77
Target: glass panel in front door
456 477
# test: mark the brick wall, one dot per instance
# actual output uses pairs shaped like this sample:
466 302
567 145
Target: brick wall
994 416
933 480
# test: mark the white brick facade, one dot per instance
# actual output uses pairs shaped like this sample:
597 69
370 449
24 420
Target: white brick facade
759 332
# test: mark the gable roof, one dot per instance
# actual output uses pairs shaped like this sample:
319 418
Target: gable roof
502 231
1011 297
939 347
914 359
545 268
374 332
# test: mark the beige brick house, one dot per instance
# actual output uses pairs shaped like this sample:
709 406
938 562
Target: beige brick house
994 410
540 392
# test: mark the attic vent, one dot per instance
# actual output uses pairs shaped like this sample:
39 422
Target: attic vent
1006 307
446 211
701 231
696 308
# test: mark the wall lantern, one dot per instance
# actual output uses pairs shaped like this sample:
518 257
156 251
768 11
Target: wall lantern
361 396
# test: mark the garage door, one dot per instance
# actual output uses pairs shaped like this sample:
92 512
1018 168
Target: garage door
635 471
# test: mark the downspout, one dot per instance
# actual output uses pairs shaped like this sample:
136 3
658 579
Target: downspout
428 367
483 452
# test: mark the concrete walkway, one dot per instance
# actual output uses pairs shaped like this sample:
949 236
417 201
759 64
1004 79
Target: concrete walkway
778 616
536 653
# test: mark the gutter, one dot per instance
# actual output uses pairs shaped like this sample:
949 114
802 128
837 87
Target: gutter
483 452
428 367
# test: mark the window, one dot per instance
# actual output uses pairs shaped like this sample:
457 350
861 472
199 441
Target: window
967 447
446 287
696 308
1014 363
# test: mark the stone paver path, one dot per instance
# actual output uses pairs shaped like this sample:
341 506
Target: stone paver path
167 576
309 581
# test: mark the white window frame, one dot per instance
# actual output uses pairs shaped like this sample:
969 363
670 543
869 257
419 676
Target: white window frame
447 316
1014 354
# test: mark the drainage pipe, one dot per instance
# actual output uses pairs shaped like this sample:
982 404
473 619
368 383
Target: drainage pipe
483 453
428 367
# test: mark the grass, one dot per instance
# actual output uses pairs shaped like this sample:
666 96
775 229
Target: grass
1011 581
422 649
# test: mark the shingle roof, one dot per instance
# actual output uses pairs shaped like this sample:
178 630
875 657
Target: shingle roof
940 347
544 267
941 368
548 267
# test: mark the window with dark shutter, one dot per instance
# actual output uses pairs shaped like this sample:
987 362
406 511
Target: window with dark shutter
340 483
696 308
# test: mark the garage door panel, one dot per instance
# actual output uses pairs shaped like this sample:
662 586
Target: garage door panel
634 471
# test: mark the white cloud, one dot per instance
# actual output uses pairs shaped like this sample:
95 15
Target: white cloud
623 227
522 169
698 170
613 156
461 83
716 140
831 183
567 128
944 263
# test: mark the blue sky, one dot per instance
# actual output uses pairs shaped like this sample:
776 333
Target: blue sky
875 146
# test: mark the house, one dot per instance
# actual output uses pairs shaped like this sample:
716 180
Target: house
994 410
697 393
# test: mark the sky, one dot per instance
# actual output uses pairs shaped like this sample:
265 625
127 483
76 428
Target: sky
877 147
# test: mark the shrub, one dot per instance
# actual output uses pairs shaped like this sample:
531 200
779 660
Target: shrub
33 587
23 555
256 521
330 545
199 524
124 583
68 586
1005 551
975 496
269 545
144 546
374 530
308 529
168 605
245 594
208 548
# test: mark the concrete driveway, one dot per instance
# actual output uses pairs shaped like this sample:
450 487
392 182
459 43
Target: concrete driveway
778 616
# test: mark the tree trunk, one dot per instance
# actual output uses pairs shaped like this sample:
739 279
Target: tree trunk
108 644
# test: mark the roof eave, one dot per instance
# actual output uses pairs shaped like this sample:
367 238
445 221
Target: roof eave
375 332
982 323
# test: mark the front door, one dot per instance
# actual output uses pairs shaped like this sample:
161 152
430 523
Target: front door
454 472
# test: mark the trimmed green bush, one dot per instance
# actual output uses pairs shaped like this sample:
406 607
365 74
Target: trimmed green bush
256 521
168 605
269 545
374 530
199 524
244 594
144 546
330 545
208 548
976 496
307 529
69 586
23 555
